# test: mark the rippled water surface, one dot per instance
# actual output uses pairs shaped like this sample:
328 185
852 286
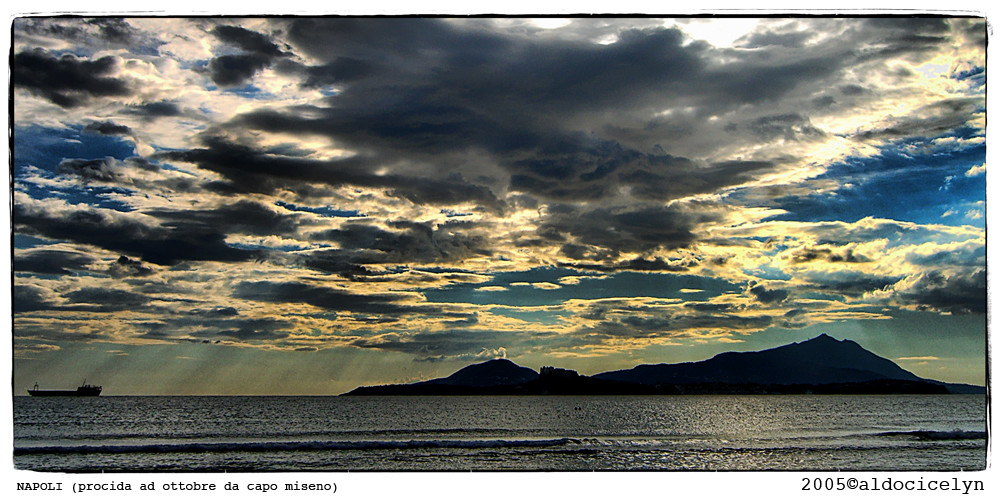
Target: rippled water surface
897 432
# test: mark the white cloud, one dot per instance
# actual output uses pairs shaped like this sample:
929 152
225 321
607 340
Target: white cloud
976 170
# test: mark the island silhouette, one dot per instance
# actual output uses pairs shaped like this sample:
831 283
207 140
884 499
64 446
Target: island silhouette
821 365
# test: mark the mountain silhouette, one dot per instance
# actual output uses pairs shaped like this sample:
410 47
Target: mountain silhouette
822 359
821 365
497 372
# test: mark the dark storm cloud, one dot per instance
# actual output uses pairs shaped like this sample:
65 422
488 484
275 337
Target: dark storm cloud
768 296
115 30
619 319
345 263
121 233
565 77
638 264
961 293
342 70
852 90
108 169
429 90
635 326
112 171
28 298
930 120
850 284
250 170
490 90
126 267
580 168
761 77
836 234
636 230
50 28
909 26
674 178
67 81
247 40
407 241
395 40
246 217
253 171
791 39
221 312
727 321
155 110
232 70
973 257
656 264
517 99
466 320
90 169
90 33
976 33
789 126
328 298
451 99
207 325
108 128
257 329
370 237
50 261
821 253
708 307
385 122
899 36
452 189
105 299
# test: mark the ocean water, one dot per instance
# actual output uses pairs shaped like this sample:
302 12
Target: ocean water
500 433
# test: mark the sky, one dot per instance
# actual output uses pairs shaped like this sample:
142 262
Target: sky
305 205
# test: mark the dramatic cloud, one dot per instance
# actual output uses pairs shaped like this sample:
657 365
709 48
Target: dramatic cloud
121 233
955 294
126 267
67 81
106 298
155 110
328 298
399 195
613 231
768 296
235 69
44 261
108 128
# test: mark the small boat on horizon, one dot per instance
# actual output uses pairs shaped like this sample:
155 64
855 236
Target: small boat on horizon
85 390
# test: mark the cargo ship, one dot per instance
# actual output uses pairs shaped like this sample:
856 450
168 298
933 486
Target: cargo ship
85 390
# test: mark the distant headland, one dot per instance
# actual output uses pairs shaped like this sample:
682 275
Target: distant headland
821 365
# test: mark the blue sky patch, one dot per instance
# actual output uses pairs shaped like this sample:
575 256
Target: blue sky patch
45 148
520 292
897 185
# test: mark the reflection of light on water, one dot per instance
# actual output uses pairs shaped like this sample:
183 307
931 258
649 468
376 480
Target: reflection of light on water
506 433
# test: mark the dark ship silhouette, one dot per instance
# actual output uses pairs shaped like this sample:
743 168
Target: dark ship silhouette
85 390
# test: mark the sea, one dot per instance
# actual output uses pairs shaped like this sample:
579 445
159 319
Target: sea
500 433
